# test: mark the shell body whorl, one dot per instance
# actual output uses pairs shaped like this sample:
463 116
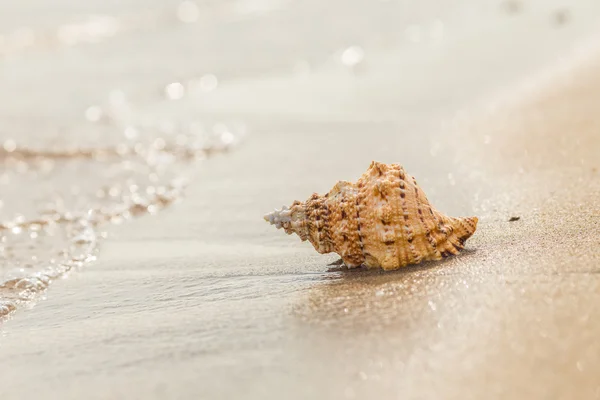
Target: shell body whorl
383 220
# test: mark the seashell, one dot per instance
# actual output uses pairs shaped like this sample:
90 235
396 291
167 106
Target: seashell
383 220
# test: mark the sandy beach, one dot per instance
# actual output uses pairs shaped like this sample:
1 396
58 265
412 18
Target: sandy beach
493 108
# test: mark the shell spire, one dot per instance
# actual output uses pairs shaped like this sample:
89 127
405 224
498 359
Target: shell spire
383 220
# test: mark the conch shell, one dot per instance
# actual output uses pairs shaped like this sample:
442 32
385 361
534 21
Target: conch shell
383 220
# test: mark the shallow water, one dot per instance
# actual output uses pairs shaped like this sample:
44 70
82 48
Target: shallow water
58 198
64 179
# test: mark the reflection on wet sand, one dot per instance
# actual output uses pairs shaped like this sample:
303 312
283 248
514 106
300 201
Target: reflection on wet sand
366 300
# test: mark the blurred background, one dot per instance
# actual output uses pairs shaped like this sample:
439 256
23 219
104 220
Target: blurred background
111 110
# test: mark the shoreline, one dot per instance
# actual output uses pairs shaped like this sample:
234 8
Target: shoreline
205 294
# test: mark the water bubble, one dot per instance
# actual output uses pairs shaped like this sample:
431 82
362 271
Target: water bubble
188 11
131 133
352 56
159 143
224 134
10 145
432 305
114 191
174 91
207 83
93 113
227 138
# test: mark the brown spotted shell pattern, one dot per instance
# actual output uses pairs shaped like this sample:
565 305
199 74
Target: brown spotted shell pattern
383 220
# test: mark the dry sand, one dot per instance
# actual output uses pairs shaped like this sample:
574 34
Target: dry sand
207 301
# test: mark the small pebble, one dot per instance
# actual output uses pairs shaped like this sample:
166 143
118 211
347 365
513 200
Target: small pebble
560 17
512 6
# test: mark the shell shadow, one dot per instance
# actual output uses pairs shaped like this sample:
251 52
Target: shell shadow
362 300
338 266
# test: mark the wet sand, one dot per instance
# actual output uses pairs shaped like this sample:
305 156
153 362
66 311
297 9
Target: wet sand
205 300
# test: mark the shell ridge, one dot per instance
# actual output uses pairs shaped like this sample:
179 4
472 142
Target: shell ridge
433 231
468 227
442 229
392 237
347 234
421 220
402 254
360 239
445 229
408 231
452 243
314 215
325 227
434 253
